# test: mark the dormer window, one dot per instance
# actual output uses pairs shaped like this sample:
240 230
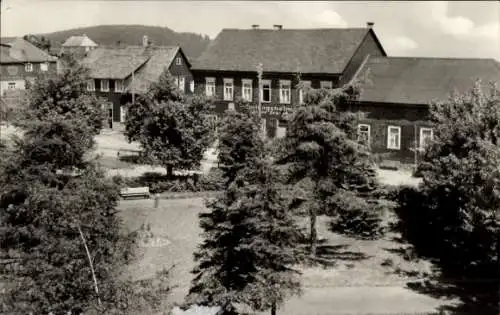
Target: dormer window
28 67
178 61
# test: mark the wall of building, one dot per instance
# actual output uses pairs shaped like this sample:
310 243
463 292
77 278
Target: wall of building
270 109
17 71
410 118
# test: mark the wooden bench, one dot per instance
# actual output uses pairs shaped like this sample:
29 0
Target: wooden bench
135 192
130 152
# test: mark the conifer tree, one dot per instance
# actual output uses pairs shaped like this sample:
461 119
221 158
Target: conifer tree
321 146
250 240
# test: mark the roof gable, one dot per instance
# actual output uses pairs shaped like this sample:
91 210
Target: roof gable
285 50
79 41
422 80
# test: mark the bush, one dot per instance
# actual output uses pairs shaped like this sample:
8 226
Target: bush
159 183
357 217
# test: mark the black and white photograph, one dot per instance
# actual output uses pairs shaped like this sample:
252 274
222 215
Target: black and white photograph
249 157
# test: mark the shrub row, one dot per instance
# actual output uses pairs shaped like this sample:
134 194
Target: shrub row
159 183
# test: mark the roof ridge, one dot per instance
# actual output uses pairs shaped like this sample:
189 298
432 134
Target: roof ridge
296 29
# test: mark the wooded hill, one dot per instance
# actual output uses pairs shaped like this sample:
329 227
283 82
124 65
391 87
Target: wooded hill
192 44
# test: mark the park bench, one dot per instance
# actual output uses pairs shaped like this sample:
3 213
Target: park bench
135 192
129 152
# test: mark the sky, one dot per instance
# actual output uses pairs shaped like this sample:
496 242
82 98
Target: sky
423 29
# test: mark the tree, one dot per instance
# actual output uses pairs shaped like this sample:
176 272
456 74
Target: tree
172 129
60 232
250 245
453 217
64 96
240 142
321 146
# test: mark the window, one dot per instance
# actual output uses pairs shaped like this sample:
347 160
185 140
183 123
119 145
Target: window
247 90
28 67
181 83
364 133
90 85
191 86
105 85
230 106
265 92
228 89
285 91
394 137
44 66
119 86
210 86
11 85
305 85
326 84
426 135
178 61
280 129
87 48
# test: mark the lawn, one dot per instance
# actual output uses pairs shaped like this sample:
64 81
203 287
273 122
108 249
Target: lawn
367 276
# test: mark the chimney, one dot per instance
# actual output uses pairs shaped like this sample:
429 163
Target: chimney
370 24
255 26
278 27
145 41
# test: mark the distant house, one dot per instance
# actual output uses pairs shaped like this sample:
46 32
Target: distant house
21 61
327 58
78 45
396 96
120 72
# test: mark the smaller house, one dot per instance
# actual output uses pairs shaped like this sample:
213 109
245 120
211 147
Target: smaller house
78 45
119 73
397 93
21 61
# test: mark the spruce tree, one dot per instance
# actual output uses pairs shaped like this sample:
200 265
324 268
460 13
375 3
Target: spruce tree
250 240
321 145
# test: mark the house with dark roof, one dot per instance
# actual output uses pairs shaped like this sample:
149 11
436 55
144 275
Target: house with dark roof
396 94
120 72
21 61
228 69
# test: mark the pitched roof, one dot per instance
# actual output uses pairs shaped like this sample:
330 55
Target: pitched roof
411 80
20 51
160 59
285 50
114 63
77 41
119 62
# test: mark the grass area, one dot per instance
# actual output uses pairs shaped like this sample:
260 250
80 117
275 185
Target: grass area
373 271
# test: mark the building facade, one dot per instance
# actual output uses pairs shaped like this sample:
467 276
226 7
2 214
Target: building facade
22 62
287 60
120 73
393 108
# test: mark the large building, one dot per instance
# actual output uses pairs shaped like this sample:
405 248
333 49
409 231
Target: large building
119 72
396 92
21 61
228 69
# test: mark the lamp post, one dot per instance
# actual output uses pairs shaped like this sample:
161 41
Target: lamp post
259 104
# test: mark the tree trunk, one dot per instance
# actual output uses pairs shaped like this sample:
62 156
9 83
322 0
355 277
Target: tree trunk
313 234
273 309
170 171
